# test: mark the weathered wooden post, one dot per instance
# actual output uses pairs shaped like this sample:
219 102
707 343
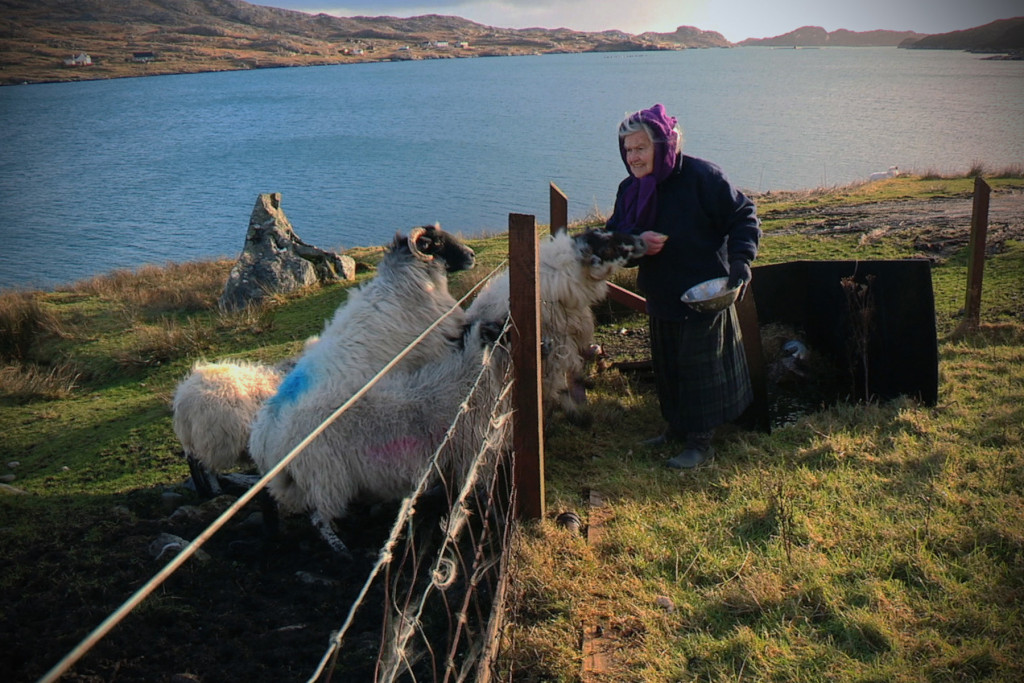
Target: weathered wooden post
976 266
559 207
746 313
528 416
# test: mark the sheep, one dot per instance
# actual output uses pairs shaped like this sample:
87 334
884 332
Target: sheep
573 277
380 319
213 409
381 446
882 175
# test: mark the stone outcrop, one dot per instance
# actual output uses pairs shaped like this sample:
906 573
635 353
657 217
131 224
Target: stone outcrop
275 260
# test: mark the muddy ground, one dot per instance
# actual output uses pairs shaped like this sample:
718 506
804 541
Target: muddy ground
263 609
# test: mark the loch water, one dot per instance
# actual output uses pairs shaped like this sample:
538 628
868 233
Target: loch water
100 175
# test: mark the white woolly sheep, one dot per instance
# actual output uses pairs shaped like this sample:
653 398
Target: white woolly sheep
408 294
380 447
213 411
573 277
893 172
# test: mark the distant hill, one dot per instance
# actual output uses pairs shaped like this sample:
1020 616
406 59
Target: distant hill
1004 35
816 36
63 40
688 36
149 37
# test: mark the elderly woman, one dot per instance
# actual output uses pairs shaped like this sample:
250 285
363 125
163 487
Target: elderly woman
697 227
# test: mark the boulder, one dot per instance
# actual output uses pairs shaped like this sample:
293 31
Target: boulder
275 260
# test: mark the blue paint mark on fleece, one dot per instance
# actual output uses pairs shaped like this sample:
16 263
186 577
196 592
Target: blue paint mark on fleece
294 385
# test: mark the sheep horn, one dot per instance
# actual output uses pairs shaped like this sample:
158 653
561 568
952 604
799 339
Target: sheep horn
414 235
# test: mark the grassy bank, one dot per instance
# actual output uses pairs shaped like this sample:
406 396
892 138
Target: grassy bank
861 542
880 542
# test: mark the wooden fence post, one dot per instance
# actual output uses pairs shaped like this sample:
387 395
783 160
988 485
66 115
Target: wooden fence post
976 266
559 206
528 416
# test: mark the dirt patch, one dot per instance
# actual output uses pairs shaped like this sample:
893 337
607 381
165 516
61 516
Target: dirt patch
253 609
939 227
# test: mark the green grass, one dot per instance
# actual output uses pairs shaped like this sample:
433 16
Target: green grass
880 542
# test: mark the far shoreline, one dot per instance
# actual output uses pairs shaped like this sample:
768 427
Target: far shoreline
244 65
1012 217
254 64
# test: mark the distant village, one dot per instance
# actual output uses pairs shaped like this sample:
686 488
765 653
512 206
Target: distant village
83 59
361 48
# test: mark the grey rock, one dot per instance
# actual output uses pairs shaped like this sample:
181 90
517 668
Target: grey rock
315 580
121 513
7 478
185 678
185 514
165 546
171 500
254 520
665 602
275 260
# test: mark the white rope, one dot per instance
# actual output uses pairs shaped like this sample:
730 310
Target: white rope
142 593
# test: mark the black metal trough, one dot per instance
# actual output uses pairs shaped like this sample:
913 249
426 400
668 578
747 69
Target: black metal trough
874 319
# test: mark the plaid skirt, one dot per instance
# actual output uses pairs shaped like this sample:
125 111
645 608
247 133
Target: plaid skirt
700 370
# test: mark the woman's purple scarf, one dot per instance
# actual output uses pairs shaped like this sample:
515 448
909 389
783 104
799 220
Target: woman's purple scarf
639 199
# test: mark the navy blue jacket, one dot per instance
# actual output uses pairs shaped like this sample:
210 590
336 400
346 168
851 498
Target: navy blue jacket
709 224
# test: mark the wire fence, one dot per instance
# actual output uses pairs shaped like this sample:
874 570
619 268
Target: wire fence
435 593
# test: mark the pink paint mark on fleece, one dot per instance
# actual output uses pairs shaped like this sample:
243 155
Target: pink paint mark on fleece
396 449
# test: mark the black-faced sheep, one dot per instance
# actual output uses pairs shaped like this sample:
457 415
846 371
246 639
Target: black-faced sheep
379 320
574 271
382 445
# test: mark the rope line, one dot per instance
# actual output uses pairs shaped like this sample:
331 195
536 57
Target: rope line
188 551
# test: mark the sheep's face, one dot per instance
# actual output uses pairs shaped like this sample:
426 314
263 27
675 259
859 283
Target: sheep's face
430 242
603 252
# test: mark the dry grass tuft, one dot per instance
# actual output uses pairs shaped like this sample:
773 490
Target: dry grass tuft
167 340
179 287
23 320
256 318
25 381
977 170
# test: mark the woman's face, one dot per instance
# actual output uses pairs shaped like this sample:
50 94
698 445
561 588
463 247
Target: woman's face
639 153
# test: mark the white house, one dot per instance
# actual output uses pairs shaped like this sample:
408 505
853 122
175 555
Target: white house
81 59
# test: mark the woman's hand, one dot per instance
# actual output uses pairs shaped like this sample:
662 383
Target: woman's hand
739 276
654 241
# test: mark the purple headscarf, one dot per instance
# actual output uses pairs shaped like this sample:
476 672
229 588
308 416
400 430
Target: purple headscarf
640 198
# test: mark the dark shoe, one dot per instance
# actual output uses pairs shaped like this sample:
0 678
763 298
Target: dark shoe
664 439
691 458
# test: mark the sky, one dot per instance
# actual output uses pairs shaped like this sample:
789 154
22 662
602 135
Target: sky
734 19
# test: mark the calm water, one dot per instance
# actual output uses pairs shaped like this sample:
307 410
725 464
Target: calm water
113 174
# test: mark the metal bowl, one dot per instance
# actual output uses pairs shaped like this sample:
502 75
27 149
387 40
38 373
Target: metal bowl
711 295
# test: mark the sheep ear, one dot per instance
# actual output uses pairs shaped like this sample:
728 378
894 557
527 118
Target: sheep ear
414 237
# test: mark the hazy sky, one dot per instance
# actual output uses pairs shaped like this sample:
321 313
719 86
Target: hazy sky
734 19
